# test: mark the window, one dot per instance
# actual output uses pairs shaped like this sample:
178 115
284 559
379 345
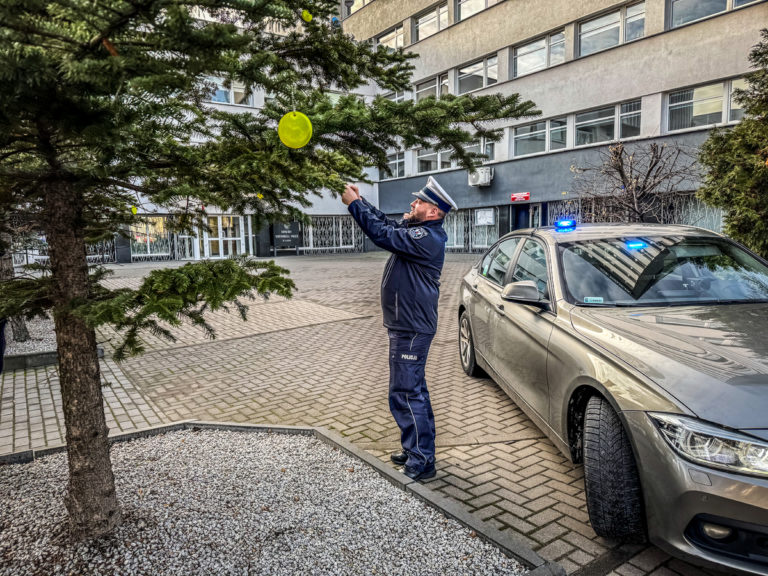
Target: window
235 94
219 93
532 138
607 31
428 160
479 75
532 265
595 126
629 119
496 262
394 39
634 25
396 163
431 86
539 54
483 146
736 109
684 11
356 5
431 22
558 133
395 96
693 107
466 8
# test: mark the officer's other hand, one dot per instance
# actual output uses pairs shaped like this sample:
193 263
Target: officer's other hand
351 193
406 215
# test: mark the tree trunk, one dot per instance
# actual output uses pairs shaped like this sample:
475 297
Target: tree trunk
91 499
19 328
18 325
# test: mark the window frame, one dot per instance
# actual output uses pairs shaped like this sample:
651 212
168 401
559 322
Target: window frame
436 11
547 267
437 83
234 85
724 87
486 4
482 145
439 154
399 164
727 105
622 28
548 44
730 5
491 255
399 34
484 62
547 130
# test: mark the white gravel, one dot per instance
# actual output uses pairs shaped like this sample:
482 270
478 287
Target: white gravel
219 502
42 338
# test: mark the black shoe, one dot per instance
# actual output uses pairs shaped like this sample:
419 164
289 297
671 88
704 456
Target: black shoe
423 474
399 458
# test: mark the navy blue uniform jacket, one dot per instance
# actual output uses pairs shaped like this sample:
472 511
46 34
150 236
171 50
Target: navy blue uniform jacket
411 283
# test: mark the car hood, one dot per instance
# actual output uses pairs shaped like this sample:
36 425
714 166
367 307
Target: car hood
713 359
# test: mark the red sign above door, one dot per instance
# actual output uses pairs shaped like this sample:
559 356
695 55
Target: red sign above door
519 196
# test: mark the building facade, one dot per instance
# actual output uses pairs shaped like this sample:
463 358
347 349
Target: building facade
598 70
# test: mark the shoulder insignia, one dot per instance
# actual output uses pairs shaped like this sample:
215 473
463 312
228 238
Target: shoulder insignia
418 233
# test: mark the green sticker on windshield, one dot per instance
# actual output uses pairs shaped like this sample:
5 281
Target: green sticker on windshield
593 300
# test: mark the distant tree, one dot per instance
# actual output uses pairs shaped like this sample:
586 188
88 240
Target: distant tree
102 106
634 183
736 160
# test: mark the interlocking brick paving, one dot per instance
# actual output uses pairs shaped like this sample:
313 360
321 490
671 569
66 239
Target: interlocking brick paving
320 359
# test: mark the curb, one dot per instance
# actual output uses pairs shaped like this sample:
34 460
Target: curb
508 543
35 360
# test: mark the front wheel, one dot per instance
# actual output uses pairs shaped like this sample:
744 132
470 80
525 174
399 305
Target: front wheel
614 496
467 347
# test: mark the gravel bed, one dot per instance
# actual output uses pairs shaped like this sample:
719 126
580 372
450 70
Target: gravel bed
42 338
219 502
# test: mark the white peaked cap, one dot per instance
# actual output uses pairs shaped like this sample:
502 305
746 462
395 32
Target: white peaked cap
434 194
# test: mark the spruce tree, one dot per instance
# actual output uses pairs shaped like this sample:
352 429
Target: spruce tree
102 106
737 161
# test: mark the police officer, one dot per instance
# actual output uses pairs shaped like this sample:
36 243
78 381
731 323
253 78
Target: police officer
409 292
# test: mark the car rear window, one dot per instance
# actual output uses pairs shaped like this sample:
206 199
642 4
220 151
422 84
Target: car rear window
661 270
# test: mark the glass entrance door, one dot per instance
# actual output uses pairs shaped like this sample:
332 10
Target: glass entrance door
535 212
225 237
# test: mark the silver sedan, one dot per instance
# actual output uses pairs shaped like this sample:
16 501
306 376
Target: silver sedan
642 352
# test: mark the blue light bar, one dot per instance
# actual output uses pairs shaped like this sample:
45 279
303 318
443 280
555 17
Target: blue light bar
635 245
565 225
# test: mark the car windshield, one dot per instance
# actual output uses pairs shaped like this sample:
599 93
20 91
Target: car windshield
656 270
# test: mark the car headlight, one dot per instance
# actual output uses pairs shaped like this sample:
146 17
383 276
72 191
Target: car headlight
712 446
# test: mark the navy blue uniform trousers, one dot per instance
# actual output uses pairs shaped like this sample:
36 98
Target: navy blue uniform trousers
409 398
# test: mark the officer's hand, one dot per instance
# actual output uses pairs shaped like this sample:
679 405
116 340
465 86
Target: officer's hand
406 215
351 193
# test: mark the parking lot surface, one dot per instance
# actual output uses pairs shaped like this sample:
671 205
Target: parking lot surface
320 359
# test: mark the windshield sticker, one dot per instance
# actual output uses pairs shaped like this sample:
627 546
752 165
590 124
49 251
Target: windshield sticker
593 300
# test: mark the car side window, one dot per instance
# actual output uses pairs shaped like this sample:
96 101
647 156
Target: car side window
532 265
496 264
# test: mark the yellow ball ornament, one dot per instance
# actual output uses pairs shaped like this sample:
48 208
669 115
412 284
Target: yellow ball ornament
306 16
134 210
294 129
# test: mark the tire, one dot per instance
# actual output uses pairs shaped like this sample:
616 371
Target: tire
467 347
614 495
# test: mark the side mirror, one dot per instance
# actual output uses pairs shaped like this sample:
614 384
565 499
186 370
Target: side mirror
524 292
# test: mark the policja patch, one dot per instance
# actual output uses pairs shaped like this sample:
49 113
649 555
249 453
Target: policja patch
418 233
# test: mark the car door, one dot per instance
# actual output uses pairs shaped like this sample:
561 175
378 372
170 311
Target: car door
520 332
487 289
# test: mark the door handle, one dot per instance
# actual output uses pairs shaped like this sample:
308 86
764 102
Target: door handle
499 307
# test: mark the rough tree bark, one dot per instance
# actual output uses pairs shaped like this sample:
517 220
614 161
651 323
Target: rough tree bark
91 499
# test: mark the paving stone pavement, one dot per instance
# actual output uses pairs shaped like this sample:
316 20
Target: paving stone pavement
320 359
